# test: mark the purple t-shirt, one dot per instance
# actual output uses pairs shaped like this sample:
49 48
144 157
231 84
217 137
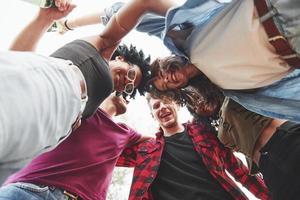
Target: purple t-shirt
83 163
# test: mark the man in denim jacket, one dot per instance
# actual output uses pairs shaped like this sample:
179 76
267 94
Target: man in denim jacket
229 43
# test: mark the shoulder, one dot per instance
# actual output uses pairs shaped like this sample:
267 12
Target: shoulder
148 146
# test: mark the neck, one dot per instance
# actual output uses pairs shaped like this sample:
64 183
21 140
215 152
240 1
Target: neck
192 71
173 130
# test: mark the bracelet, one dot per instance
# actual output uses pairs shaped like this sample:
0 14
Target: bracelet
65 23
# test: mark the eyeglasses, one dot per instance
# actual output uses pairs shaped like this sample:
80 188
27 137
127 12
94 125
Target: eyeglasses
131 76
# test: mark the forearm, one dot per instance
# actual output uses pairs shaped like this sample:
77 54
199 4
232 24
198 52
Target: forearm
128 16
91 19
123 22
29 37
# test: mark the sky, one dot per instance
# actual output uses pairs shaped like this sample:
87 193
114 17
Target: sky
16 14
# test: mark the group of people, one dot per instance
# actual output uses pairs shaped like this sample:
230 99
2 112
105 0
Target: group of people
233 65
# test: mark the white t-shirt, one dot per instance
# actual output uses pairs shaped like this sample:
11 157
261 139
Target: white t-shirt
39 99
233 51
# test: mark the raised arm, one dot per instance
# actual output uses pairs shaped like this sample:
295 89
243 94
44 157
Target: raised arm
93 18
28 39
124 21
152 24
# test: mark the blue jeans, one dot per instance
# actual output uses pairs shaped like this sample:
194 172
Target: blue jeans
28 191
279 100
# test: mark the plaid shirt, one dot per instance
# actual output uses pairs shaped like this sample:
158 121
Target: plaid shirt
145 157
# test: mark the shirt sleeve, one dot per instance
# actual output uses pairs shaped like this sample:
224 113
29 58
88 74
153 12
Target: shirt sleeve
240 173
110 11
151 24
128 157
134 137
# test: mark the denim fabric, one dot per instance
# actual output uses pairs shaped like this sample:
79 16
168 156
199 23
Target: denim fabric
151 24
279 100
28 191
201 12
192 13
110 11
287 19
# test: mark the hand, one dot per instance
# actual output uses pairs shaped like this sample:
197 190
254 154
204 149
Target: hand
62 9
59 26
120 104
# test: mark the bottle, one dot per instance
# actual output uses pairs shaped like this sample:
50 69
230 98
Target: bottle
42 3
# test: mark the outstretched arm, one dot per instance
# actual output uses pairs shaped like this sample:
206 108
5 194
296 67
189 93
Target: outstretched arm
93 18
29 37
240 173
73 23
150 23
124 21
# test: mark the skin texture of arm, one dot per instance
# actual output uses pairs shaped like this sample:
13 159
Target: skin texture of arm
27 40
124 21
90 19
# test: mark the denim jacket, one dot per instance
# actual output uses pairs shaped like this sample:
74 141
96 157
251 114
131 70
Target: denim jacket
192 13
279 100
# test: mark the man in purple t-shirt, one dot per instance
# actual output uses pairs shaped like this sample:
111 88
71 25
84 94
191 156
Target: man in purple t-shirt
81 166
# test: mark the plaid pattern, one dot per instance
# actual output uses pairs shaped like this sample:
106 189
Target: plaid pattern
145 157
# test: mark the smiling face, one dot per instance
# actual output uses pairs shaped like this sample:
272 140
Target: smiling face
169 73
120 71
174 79
164 112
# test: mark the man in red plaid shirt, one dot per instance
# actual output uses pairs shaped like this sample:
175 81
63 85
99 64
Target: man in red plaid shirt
186 162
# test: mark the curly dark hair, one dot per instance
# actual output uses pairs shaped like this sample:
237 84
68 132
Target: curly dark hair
200 91
135 57
168 63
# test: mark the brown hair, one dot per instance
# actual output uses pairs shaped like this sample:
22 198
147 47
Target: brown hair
169 63
199 89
